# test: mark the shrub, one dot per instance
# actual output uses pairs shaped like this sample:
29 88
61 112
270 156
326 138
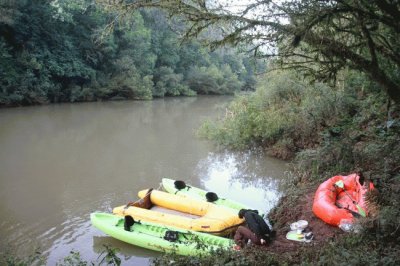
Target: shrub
283 107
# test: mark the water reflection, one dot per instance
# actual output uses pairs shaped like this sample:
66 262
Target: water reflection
142 256
246 177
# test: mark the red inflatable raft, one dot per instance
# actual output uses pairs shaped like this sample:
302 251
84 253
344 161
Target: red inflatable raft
335 205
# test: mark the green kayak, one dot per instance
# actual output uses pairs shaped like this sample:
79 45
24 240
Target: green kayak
180 188
159 237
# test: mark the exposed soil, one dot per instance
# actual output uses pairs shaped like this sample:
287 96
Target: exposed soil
303 211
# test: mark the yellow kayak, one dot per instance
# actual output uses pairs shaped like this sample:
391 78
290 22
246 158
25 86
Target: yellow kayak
209 218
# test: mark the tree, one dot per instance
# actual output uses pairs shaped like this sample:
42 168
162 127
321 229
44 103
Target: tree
134 40
212 80
64 51
318 37
170 84
46 59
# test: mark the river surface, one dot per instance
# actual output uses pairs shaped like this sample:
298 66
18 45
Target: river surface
59 163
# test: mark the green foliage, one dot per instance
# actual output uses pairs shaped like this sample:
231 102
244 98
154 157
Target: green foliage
190 54
318 38
74 259
283 107
170 84
9 75
107 257
212 80
247 256
352 249
46 61
353 140
82 94
7 258
64 51
134 41
129 84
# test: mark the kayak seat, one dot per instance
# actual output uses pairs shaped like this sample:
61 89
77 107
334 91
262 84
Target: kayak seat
128 222
211 196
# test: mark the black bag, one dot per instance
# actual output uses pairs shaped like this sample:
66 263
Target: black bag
171 236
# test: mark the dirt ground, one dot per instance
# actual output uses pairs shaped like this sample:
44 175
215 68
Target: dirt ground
322 231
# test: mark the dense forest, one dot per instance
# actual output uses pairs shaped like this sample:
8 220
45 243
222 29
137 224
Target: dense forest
66 51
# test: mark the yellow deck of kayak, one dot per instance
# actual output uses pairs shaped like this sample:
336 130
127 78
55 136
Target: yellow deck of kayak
212 218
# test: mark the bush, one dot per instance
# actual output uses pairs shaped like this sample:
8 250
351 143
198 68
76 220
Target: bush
283 107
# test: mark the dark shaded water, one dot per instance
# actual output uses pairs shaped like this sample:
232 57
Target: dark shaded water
59 163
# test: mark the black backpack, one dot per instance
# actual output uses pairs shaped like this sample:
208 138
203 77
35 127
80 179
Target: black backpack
257 224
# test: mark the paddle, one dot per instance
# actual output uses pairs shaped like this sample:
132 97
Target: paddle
361 211
355 214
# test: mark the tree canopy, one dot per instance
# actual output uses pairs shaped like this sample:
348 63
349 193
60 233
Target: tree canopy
317 37
61 51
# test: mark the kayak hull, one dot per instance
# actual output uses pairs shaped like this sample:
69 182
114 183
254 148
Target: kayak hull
151 236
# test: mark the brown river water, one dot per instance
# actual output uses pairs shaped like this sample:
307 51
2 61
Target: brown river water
59 163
